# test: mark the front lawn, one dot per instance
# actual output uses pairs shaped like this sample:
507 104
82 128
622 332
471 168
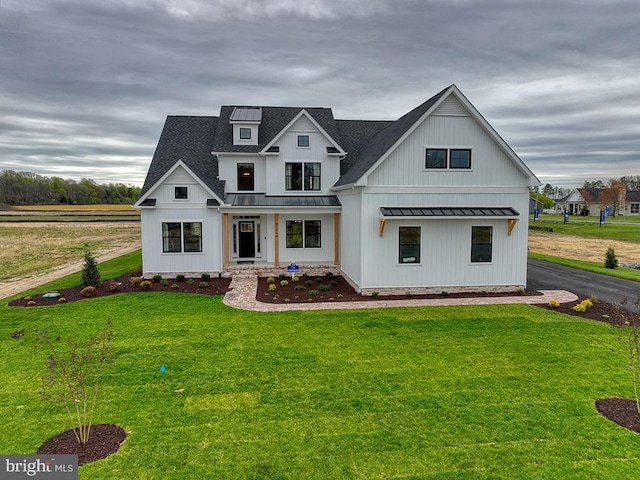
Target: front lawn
442 392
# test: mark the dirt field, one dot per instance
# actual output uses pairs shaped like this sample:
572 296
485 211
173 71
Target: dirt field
581 248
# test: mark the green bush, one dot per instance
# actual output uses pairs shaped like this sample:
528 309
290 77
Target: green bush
308 283
313 292
203 284
324 288
146 285
90 272
205 277
135 281
87 292
156 278
610 260
175 286
299 287
284 283
180 278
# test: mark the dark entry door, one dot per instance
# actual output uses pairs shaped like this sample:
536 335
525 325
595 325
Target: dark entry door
247 240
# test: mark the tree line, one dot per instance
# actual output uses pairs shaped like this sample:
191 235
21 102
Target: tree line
26 188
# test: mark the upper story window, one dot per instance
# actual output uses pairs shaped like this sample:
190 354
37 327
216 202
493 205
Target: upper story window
303 176
181 193
303 141
245 176
448 158
245 133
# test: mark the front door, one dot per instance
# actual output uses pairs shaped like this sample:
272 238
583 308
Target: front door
247 240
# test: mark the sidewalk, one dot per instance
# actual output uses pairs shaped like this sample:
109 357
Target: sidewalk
243 296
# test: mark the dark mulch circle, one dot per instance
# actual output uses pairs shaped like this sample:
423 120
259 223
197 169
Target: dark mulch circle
215 286
622 411
337 289
104 439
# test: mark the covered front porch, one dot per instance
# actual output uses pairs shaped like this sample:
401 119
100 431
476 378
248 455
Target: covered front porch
262 232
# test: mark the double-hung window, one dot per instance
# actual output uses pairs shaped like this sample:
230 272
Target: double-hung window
302 176
481 244
304 233
178 237
409 245
448 158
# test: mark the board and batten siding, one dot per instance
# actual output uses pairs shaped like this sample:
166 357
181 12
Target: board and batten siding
168 209
228 171
445 244
350 234
324 254
489 163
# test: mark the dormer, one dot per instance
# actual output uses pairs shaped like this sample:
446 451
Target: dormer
245 121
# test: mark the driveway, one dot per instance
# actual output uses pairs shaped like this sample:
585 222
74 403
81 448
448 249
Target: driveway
550 276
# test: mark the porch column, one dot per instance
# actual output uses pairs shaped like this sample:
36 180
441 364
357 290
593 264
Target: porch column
336 238
276 247
225 240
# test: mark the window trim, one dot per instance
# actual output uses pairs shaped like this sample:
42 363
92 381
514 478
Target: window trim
418 259
448 150
303 135
182 237
242 130
490 243
186 193
304 235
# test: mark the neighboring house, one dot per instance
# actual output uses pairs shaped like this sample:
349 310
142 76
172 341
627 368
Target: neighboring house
535 204
433 201
590 201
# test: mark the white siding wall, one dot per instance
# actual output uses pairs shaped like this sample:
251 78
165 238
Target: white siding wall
350 234
489 164
446 244
325 254
170 210
228 170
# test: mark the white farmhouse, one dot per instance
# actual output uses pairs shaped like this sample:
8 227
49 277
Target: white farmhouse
433 201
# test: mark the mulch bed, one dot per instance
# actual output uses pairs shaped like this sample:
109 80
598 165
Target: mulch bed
104 439
215 286
622 411
600 311
339 290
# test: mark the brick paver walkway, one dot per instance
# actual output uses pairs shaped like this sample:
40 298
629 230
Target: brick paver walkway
243 295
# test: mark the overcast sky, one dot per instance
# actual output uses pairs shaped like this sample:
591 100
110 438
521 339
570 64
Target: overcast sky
85 86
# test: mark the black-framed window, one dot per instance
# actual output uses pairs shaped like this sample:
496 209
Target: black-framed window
448 158
303 141
181 193
303 176
304 233
436 158
481 244
178 237
245 176
460 158
635 208
408 245
245 133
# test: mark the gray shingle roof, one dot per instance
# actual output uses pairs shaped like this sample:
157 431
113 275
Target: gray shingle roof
188 139
383 141
274 119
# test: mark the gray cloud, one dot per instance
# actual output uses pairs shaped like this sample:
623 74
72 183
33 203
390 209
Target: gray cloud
85 86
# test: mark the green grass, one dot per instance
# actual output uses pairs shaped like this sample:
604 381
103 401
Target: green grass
596 267
429 393
620 228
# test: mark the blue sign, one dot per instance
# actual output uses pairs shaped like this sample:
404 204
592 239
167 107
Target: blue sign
602 217
535 214
566 217
293 267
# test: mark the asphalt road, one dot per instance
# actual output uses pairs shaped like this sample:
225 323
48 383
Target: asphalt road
543 275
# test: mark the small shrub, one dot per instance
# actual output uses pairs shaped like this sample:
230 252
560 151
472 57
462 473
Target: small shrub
587 303
146 285
295 279
272 287
484 293
444 293
205 277
408 294
308 283
203 284
324 288
299 287
328 274
62 300
180 278
305 276
271 280
114 286
554 303
319 280
520 291
375 294
593 299
313 293
175 286
87 292
579 308
282 276
156 278
191 281
284 283
164 282
90 272
333 283
135 281
610 260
